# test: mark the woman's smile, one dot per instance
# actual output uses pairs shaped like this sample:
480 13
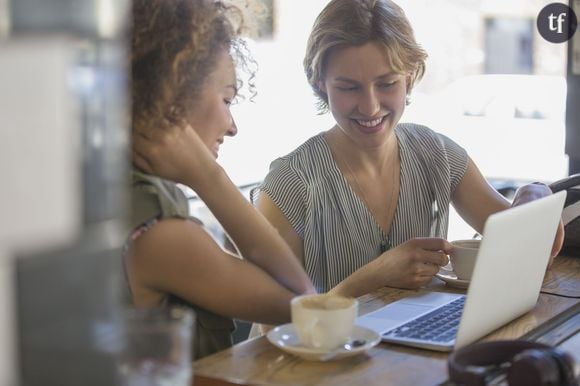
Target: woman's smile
370 126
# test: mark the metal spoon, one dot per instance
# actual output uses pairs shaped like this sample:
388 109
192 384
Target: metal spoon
348 346
354 344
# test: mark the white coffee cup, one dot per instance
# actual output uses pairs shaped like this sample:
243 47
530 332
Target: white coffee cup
463 257
323 321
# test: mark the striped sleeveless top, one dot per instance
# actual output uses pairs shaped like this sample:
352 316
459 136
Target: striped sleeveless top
339 233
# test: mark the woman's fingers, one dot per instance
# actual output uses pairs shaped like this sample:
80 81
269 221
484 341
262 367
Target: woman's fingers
140 140
427 257
147 150
148 147
432 244
429 263
141 162
430 269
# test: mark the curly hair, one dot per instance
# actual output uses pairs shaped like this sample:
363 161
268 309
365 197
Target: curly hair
357 22
174 47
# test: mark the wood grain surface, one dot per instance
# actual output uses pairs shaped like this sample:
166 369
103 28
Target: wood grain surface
257 362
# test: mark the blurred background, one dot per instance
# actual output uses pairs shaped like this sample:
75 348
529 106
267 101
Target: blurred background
492 84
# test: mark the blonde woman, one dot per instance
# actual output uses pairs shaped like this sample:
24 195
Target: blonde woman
365 204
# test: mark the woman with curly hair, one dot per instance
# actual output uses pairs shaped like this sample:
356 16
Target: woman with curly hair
183 82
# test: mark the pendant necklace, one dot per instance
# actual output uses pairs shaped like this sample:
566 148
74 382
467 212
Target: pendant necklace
392 199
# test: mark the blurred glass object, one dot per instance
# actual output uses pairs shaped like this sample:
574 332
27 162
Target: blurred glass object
92 18
157 347
4 18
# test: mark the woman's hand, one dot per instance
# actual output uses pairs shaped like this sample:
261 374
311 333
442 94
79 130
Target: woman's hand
175 153
533 192
410 265
414 263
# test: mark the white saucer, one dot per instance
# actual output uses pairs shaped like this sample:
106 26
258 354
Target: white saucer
284 337
449 277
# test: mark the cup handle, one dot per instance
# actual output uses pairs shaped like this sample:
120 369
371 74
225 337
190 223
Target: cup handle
316 333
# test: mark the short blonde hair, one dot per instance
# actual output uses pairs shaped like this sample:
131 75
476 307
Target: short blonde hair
357 22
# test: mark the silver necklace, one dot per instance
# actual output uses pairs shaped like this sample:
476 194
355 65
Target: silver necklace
363 192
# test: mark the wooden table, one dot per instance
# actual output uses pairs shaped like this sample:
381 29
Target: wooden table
257 362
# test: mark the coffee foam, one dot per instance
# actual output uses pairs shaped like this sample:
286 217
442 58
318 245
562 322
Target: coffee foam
326 302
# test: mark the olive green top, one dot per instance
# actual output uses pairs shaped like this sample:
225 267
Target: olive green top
154 199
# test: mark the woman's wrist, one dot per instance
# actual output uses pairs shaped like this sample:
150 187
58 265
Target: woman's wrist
360 282
213 176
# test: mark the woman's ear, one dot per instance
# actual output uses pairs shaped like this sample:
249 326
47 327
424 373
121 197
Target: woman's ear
408 84
408 90
321 86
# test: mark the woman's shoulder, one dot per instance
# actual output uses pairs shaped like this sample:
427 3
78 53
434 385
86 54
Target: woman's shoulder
414 131
426 145
307 156
422 138
153 197
307 149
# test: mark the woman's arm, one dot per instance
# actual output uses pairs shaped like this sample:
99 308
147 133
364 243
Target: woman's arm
256 239
178 154
274 215
532 192
410 265
475 200
179 257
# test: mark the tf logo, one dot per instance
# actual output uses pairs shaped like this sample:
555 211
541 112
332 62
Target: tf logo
557 22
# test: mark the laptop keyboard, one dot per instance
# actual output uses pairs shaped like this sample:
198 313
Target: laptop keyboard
439 325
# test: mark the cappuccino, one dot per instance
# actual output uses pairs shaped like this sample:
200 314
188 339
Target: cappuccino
323 322
326 302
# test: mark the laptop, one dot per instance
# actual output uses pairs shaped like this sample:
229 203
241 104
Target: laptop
506 282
